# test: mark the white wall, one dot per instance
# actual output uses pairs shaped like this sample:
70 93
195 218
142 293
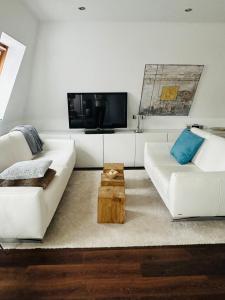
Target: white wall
108 57
18 22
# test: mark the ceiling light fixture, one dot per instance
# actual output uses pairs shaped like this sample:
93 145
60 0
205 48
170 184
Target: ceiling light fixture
81 8
188 9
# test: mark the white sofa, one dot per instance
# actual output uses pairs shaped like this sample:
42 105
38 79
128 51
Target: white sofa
193 190
26 212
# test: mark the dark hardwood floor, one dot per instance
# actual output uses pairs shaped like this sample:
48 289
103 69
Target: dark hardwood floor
176 272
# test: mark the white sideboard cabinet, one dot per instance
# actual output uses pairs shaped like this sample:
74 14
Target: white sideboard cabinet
120 148
89 150
141 139
123 146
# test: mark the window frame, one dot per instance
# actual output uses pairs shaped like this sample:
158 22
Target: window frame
3 53
12 62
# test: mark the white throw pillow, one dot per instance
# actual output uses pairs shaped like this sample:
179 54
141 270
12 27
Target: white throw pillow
26 170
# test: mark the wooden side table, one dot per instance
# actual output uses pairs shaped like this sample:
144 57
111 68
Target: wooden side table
111 204
111 196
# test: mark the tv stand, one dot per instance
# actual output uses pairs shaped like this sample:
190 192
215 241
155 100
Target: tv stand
99 131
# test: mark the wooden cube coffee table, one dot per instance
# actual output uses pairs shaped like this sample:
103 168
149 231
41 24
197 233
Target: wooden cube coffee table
111 196
111 204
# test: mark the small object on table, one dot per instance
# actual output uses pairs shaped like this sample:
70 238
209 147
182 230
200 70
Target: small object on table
109 166
117 181
112 174
195 126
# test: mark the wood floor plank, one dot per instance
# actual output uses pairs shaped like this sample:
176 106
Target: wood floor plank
23 258
150 286
210 266
84 271
166 297
116 255
12 283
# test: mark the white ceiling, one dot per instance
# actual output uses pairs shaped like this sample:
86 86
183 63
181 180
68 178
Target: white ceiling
129 10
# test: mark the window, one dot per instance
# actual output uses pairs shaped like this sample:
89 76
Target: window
11 56
3 53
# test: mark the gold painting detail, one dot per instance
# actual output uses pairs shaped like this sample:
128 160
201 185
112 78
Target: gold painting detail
169 93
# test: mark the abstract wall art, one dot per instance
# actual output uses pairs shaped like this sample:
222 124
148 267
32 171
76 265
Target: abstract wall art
168 90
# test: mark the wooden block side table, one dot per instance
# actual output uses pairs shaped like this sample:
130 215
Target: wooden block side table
111 204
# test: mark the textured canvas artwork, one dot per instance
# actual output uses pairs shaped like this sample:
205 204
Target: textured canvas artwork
168 90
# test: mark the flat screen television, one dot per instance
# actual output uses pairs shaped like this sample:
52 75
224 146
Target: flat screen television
97 111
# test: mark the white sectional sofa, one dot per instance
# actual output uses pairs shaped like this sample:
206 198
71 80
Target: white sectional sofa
26 212
193 190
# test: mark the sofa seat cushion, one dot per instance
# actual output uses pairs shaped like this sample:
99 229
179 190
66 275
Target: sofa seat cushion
161 175
58 157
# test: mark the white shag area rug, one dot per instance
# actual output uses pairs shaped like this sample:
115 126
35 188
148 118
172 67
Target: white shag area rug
148 222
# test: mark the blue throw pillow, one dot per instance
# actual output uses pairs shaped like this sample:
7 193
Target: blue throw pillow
186 146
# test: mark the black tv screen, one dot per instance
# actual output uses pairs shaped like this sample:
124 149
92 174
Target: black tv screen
97 110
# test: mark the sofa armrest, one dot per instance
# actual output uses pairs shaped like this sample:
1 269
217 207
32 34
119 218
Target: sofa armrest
22 212
58 144
193 194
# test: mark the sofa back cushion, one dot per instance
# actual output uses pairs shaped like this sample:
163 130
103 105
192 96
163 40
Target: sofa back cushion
210 156
21 150
6 152
13 148
204 134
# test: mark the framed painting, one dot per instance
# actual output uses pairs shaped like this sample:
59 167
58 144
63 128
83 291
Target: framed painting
169 90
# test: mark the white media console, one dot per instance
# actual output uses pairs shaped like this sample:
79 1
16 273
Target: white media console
123 146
